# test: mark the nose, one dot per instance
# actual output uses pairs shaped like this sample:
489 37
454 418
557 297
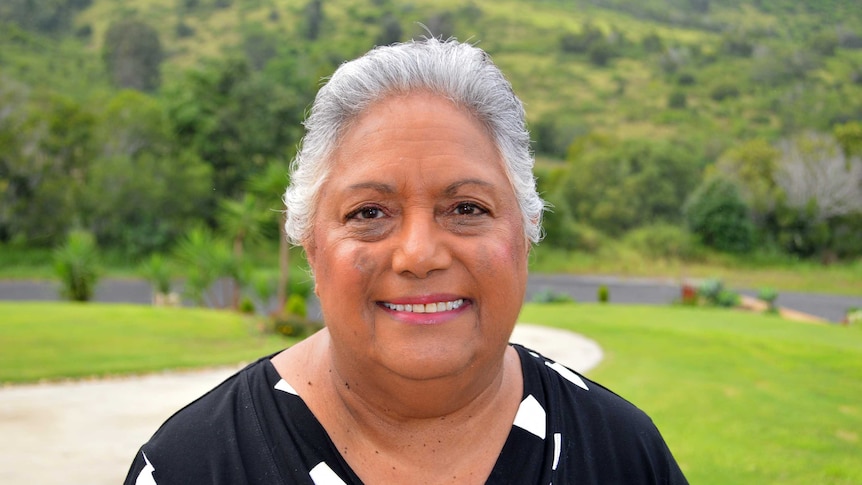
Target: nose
420 247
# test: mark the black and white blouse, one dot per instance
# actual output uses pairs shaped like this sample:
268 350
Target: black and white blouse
255 429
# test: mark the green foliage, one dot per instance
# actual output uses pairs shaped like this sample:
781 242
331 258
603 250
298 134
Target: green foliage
768 295
228 101
158 273
849 136
751 166
633 183
723 91
205 259
562 231
296 306
50 16
246 306
77 266
677 100
603 294
133 55
664 241
312 19
716 213
713 293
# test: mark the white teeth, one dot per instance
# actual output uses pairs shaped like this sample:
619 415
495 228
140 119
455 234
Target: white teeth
426 308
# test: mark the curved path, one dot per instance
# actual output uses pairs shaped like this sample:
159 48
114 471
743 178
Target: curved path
89 431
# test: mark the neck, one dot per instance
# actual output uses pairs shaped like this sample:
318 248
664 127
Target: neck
381 392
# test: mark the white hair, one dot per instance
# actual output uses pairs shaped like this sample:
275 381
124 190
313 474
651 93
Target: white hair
460 72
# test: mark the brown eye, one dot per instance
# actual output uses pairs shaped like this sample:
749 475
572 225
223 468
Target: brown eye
368 212
468 209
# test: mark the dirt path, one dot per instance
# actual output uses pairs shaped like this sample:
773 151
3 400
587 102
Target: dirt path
87 432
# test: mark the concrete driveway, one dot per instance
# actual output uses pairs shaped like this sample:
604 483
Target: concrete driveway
87 432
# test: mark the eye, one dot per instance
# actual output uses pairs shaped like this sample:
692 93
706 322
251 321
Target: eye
469 209
366 212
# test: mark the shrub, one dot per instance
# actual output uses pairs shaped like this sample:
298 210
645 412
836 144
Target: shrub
768 295
677 100
663 241
246 306
724 91
76 264
716 213
157 273
713 292
603 294
295 306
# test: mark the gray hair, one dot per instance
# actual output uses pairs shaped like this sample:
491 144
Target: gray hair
460 72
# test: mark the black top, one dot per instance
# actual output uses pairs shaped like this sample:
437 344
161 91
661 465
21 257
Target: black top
255 429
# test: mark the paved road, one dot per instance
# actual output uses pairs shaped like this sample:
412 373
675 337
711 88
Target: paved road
581 288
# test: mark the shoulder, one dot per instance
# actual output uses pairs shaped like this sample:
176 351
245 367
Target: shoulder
207 440
597 429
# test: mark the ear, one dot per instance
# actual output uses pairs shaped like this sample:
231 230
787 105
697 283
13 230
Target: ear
310 250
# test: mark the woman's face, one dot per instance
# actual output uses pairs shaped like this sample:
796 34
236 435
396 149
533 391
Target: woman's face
418 248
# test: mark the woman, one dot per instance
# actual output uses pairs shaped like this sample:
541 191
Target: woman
414 200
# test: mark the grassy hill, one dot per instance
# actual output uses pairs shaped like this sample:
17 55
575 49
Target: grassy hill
744 68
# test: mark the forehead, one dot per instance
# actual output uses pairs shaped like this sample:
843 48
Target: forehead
419 131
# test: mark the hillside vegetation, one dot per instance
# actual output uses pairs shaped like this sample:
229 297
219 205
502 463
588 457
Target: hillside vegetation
682 129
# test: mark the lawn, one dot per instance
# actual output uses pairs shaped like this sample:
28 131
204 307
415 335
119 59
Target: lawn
59 340
740 398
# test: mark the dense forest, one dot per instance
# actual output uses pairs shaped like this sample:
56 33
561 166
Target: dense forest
681 126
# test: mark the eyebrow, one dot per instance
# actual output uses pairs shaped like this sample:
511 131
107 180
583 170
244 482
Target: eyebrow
376 186
453 188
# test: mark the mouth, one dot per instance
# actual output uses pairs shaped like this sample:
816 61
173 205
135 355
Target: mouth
433 307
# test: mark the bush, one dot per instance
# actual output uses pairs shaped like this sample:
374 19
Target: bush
76 265
768 295
677 100
713 292
603 294
157 273
246 306
724 91
293 326
663 241
716 213
295 306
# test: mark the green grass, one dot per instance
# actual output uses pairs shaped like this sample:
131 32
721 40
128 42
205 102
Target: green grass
64 340
740 398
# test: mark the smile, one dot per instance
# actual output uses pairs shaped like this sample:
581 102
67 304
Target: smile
440 306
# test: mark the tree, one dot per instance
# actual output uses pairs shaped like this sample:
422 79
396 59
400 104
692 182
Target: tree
312 19
814 170
716 213
629 184
241 220
269 186
234 119
390 30
751 167
142 191
45 153
133 55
